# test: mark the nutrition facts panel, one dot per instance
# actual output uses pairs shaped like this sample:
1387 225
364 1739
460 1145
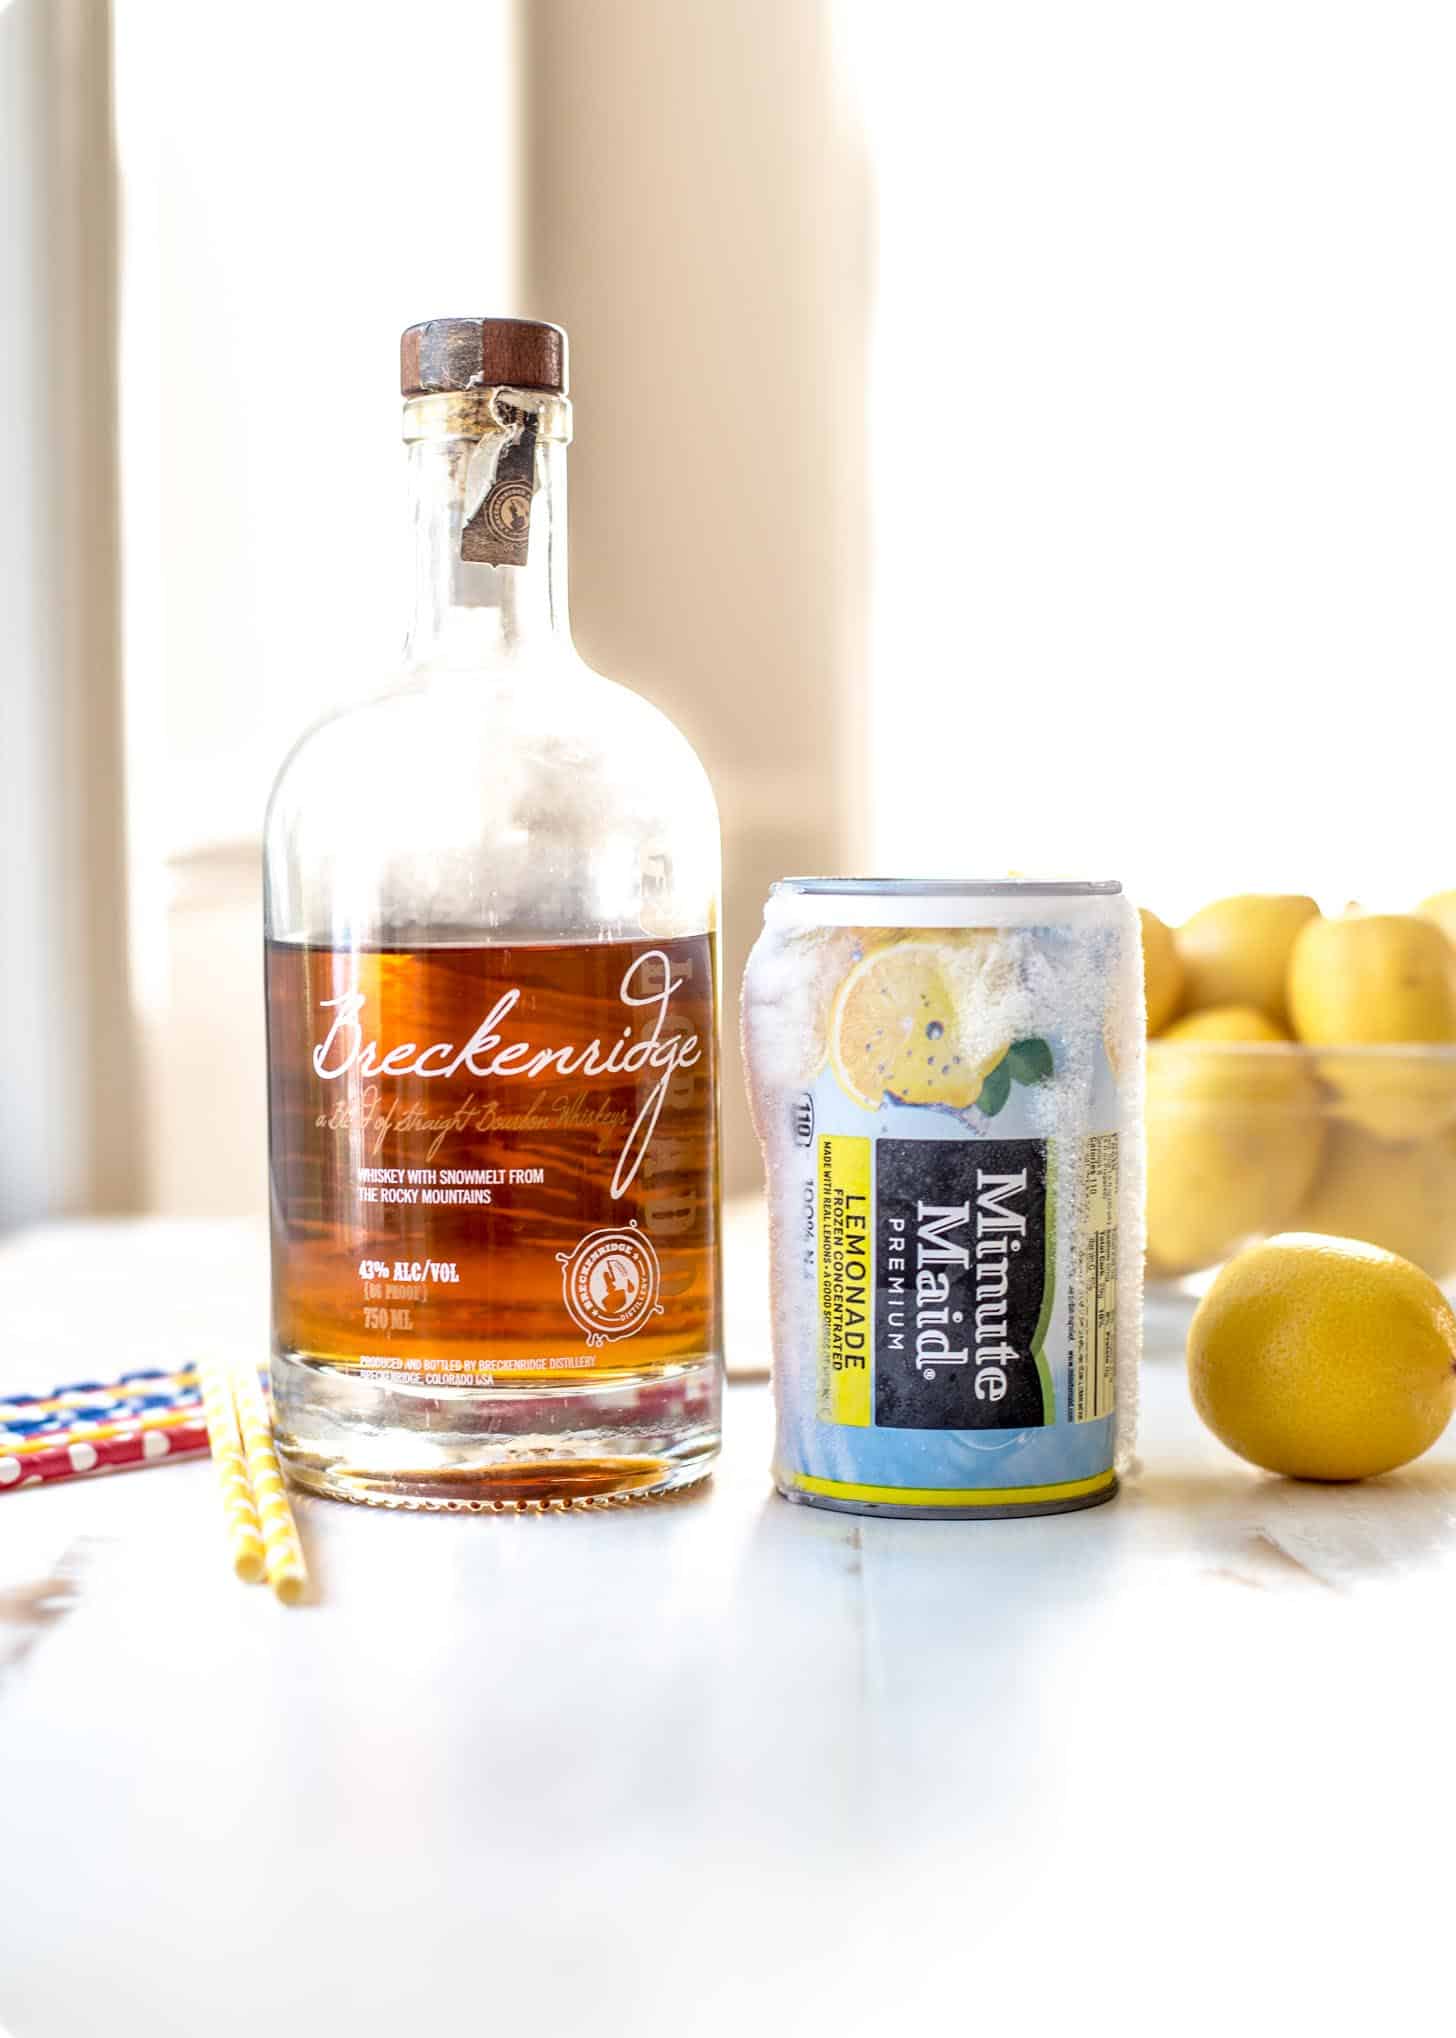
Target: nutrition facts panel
1094 1284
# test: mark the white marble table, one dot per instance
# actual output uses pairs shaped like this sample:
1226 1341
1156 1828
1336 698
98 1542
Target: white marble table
1183 1762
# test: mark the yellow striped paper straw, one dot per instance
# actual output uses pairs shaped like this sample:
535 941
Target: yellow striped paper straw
245 1533
287 1572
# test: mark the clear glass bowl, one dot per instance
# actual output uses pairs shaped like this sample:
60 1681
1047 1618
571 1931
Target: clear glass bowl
1245 1141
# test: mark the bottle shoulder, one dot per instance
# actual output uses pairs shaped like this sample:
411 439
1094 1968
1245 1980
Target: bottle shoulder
557 721
536 801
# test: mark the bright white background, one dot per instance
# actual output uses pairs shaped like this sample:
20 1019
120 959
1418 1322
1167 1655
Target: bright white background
1163 424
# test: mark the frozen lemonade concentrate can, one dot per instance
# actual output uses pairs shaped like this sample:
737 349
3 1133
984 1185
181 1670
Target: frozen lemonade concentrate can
946 1078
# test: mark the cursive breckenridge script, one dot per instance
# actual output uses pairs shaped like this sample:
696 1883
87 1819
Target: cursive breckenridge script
345 1050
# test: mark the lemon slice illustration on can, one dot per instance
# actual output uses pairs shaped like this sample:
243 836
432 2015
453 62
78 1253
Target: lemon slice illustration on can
914 1020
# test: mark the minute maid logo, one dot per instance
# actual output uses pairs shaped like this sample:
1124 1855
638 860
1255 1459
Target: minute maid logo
939 1250
611 1283
965 1270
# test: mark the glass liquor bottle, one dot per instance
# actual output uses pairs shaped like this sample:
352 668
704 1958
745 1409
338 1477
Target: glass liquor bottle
491 905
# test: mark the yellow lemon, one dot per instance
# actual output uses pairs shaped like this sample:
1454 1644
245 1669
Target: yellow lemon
916 1020
1379 980
1397 1093
1233 1136
1323 1358
1162 971
1236 951
1229 1023
1400 1197
1441 907
1371 978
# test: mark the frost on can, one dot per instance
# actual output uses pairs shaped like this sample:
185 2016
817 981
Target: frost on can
946 1079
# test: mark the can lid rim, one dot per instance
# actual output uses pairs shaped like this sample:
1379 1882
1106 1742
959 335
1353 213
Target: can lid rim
945 887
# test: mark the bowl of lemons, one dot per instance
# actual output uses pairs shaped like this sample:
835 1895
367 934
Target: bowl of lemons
1301 1078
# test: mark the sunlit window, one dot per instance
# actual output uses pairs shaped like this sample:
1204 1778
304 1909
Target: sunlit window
1163 422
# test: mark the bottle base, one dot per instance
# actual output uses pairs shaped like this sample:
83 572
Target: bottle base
495 1450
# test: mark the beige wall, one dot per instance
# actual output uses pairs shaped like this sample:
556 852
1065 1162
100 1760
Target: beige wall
69 1106
203 1040
697 216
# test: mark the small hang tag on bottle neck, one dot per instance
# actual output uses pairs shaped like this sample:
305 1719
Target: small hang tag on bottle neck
500 482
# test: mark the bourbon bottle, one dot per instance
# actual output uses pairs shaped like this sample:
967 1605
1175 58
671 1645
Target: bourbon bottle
491 902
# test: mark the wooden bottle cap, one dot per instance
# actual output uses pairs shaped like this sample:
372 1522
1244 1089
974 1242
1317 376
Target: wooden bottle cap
481 353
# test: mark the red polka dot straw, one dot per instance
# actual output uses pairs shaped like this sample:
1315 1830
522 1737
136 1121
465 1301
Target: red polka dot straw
92 1426
76 1459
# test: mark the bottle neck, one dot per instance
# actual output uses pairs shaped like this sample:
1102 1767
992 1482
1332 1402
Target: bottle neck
488 512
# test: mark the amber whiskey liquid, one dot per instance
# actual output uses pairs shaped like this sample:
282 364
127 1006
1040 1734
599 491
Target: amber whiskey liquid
494 1179
494 1172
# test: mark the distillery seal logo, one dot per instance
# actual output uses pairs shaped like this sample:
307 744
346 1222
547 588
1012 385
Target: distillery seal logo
611 1283
507 511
